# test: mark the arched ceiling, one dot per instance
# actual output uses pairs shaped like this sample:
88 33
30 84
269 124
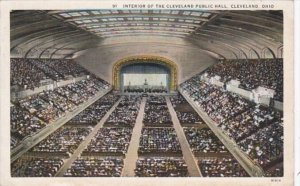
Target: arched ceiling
61 34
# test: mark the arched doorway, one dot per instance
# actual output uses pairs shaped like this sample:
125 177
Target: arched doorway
253 54
148 65
268 53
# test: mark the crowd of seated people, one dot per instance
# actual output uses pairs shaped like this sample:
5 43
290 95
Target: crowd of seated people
97 82
36 167
60 102
203 141
22 125
63 141
218 103
221 167
94 113
252 73
161 167
52 104
71 95
251 121
65 67
265 146
110 141
188 118
134 90
276 171
14 141
82 90
28 73
177 100
184 111
257 130
25 74
145 90
156 100
125 113
159 140
95 167
157 112
87 88
41 108
50 72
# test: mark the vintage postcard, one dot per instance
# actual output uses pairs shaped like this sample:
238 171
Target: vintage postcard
147 93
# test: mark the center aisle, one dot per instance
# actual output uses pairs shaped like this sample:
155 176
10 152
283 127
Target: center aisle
132 153
186 151
86 141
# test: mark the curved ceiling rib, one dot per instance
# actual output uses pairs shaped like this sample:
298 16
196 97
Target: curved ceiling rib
61 33
260 39
275 36
36 41
237 46
263 15
63 38
44 34
256 18
239 38
218 47
246 42
66 44
15 42
55 45
32 25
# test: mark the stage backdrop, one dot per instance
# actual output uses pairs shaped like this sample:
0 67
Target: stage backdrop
138 74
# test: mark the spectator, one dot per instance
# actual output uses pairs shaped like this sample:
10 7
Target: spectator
95 167
22 125
36 167
63 141
25 74
159 141
94 113
265 146
249 122
221 167
252 73
161 167
110 141
185 113
157 112
65 67
218 103
125 113
203 141
50 72
276 171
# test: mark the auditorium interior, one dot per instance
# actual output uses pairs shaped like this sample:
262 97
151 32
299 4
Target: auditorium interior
146 93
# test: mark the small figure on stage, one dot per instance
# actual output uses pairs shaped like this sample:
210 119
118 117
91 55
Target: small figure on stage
146 83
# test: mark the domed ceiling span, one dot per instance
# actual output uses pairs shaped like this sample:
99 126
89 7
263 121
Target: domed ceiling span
63 33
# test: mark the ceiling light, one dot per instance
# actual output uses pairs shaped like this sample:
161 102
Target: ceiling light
65 15
186 13
95 12
73 14
84 13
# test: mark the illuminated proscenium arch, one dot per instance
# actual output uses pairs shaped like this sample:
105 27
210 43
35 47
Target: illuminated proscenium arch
145 59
